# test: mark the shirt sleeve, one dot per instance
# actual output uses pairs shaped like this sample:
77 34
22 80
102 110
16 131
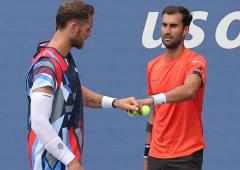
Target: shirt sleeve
44 75
149 90
198 65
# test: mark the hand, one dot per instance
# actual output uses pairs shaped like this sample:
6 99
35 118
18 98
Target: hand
141 102
129 103
148 101
75 165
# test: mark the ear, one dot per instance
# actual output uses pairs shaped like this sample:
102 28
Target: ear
73 27
185 31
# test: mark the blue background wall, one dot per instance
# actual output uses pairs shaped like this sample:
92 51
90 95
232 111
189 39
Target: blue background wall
113 62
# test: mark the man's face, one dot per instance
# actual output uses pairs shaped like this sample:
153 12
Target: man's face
84 31
172 30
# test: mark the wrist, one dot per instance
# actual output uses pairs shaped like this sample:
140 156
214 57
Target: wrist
67 157
59 150
115 103
150 101
146 151
73 163
159 99
108 102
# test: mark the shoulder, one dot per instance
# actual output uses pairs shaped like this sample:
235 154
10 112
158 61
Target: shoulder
194 57
44 62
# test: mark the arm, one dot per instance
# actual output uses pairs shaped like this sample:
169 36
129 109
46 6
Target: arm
91 99
148 137
182 93
185 92
41 107
41 93
95 100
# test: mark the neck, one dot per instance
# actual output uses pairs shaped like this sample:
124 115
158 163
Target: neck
61 43
173 53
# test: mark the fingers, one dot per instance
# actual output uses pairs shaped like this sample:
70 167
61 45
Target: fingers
133 104
129 103
134 101
133 108
140 102
146 101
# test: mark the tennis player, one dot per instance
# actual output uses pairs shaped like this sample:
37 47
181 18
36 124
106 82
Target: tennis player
176 82
56 97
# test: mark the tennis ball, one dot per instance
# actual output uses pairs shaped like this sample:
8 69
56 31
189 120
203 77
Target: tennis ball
145 110
132 113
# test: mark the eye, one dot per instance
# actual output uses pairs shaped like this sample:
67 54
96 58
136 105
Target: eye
173 25
164 25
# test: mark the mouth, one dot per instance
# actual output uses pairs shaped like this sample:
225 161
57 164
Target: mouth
167 38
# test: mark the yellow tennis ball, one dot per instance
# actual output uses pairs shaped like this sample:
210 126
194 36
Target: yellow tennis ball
145 110
132 113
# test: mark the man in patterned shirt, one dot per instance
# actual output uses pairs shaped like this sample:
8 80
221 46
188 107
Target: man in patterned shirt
56 97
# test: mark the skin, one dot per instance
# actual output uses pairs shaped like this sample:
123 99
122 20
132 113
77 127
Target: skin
173 35
149 136
74 35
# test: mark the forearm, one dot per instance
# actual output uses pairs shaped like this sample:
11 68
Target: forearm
146 150
91 99
95 100
179 94
148 139
149 127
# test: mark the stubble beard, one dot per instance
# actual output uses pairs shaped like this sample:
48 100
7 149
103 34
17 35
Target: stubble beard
77 44
173 44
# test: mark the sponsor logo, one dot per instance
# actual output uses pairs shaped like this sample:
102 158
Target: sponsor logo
60 146
196 61
47 95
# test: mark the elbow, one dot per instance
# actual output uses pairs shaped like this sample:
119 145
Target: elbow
35 126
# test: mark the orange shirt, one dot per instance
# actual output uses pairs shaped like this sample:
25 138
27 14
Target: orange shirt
177 127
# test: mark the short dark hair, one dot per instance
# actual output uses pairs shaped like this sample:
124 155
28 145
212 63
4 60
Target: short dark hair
172 9
73 9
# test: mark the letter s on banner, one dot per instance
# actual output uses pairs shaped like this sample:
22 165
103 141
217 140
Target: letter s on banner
221 31
196 32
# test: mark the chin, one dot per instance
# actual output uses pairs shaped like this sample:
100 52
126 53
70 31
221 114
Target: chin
78 47
170 46
77 44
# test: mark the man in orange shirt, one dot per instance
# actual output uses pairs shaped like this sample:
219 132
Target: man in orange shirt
176 82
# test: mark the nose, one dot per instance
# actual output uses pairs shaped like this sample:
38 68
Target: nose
167 30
